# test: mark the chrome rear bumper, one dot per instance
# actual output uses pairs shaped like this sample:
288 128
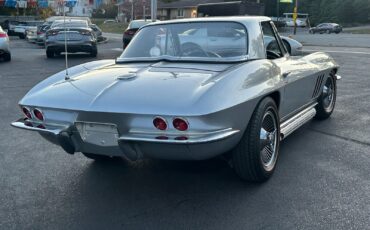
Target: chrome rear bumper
138 144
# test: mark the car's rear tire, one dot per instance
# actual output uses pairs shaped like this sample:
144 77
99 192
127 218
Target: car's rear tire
94 52
98 157
327 99
254 158
7 57
49 53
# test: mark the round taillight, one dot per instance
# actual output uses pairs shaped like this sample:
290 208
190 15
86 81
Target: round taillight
180 124
160 123
38 114
27 112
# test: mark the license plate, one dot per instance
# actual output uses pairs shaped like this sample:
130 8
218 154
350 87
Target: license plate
69 37
98 133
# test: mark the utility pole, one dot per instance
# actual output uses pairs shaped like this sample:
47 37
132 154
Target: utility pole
132 10
144 16
295 15
153 7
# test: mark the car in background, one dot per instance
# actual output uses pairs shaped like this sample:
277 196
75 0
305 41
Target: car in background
4 46
132 28
78 35
98 32
31 35
10 26
41 31
326 28
21 28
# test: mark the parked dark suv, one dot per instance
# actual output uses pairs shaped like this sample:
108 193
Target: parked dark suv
326 28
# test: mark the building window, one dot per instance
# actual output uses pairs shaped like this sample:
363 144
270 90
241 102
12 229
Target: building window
180 13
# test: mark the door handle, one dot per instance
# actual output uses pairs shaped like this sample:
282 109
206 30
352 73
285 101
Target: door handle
285 74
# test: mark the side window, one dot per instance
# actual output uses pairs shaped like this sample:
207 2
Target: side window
273 49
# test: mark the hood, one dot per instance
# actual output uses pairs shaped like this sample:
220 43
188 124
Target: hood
160 88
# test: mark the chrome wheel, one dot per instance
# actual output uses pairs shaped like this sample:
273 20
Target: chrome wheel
328 94
268 141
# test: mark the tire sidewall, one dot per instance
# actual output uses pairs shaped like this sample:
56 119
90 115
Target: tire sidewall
271 107
321 111
248 149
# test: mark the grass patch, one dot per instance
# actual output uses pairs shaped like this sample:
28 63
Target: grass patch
111 27
359 31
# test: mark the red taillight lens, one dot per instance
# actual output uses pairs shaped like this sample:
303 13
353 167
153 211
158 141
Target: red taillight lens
38 114
180 124
129 32
3 35
160 123
27 112
52 32
181 138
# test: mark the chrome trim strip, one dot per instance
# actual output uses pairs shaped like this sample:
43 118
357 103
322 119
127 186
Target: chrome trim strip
312 103
192 139
289 126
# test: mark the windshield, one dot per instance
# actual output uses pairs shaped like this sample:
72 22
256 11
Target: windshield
211 41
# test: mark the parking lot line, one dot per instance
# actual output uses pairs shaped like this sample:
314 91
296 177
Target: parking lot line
338 51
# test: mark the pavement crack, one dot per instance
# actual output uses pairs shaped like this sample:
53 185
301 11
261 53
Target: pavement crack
341 137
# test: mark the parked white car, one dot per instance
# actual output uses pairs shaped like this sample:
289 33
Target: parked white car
4 46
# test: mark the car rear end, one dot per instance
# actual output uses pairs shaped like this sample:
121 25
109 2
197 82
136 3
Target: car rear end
31 34
4 45
79 39
337 28
131 30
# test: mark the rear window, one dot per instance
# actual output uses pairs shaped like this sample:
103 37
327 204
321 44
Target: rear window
69 24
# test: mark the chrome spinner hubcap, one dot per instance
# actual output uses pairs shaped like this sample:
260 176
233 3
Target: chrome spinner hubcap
328 94
268 141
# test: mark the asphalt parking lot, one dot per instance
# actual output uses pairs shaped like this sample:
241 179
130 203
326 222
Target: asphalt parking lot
322 180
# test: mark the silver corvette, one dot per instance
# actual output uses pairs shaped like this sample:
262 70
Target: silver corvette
228 92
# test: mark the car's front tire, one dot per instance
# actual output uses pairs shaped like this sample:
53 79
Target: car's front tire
327 99
49 53
254 158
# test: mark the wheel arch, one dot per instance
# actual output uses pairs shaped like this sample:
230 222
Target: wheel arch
276 97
